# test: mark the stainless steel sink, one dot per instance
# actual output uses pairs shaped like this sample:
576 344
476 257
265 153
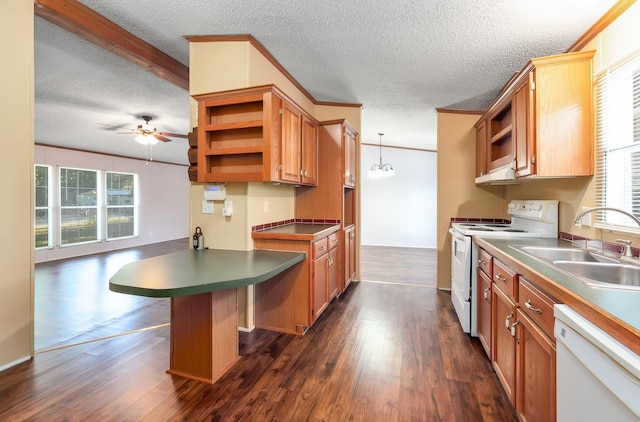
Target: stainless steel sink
619 275
588 266
563 254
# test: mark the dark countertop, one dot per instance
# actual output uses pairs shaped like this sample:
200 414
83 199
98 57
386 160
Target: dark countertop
192 272
297 231
614 310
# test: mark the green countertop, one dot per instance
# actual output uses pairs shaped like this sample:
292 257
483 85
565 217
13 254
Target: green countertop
191 272
297 231
623 304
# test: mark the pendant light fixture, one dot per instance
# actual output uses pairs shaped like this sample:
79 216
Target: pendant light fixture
379 170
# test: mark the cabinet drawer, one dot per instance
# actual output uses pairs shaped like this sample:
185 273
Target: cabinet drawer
333 240
537 305
505 278
485 261
319 248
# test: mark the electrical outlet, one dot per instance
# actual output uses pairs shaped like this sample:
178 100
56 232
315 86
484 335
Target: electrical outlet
207 207
585 221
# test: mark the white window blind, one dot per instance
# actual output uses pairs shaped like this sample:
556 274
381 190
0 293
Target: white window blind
617 95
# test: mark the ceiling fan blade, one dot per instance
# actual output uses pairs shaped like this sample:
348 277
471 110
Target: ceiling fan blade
112 127
161 138
130 132
173 135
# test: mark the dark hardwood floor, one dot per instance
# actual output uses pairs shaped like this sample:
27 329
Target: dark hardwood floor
381 352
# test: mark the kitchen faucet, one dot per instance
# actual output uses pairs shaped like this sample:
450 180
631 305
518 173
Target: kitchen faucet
626 251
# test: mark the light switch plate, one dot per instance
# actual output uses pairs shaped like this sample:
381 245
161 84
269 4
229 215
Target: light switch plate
207 207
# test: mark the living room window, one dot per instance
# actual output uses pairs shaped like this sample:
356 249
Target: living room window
78 206
43 212
121 205
617 93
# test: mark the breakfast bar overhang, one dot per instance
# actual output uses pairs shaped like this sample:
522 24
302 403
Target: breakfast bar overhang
202 285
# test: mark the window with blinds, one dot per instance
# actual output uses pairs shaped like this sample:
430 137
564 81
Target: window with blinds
617 92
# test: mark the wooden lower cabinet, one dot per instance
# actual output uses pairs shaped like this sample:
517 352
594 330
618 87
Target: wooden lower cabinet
304 291
535 373
349 255
523 350
504 344
484 311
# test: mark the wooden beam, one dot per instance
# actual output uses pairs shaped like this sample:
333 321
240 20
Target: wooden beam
95 28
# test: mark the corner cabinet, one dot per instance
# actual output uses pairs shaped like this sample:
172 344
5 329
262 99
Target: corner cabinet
542 122
255 134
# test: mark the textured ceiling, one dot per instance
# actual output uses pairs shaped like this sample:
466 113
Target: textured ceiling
400 59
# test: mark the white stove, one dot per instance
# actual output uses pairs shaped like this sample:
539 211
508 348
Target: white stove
529 218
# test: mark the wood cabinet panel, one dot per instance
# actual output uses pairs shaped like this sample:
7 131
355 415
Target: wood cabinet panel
320 282
485 262
484 311
334 272
536 305
536 373
481 148
309 153
291 144
524 105
506 279
504 344
349 255
349 156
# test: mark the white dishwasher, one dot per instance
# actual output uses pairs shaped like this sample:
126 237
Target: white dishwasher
598 378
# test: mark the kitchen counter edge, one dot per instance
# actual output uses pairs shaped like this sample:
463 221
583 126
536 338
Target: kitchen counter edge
538 273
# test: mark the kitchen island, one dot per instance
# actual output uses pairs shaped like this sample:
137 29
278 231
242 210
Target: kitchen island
202 286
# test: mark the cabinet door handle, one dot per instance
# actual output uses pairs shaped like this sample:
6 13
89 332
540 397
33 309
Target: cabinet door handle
485 292
530 307
482 262
507 321
499 277
513 328
322 248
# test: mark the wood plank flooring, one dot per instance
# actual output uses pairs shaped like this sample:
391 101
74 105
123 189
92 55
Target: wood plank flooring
381 352
415 266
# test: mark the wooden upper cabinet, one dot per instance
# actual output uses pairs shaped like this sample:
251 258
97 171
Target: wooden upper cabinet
349 148
309 153
255 134
481 148
563 115
291 144
524 106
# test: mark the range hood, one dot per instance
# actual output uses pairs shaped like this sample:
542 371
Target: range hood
504 175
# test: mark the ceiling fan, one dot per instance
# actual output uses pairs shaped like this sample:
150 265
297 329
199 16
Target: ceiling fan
148 135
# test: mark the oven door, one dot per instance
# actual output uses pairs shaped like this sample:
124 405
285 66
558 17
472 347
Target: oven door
461 277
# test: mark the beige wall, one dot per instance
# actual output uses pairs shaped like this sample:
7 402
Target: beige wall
16 173
458 195
222 66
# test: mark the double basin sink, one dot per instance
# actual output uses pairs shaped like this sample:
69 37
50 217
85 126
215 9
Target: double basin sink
588 266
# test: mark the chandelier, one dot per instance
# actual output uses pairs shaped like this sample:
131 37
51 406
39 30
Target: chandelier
379 170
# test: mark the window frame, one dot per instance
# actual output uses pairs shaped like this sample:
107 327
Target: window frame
48 207
62 207
134 207
608 110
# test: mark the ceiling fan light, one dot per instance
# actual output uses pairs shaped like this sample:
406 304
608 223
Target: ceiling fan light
146 139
